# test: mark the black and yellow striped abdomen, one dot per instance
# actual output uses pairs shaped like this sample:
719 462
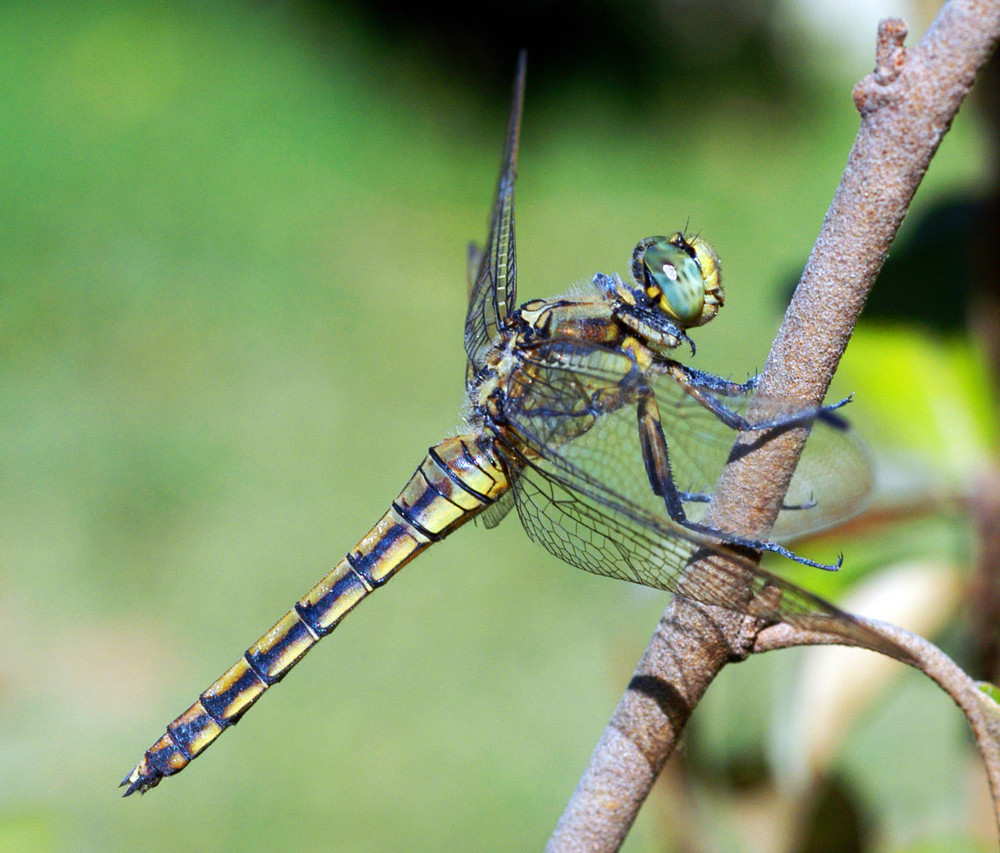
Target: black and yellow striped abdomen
456 481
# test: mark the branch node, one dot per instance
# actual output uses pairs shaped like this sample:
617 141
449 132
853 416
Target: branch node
890 54
872 90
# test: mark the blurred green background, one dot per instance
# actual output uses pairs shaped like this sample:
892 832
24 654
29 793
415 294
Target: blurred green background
231 300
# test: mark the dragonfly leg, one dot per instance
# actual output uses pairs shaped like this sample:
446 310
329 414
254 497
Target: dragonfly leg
704 387
656 459
705 497
718 384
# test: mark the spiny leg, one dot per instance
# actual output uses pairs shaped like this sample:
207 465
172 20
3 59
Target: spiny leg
712 382
656 459
705 497
703 387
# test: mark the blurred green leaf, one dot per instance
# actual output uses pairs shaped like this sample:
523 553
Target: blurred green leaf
990 690
923 393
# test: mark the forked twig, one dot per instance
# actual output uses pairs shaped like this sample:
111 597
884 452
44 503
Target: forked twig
907 105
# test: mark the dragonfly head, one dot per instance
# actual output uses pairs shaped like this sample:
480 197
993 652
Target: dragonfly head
677 285
679 277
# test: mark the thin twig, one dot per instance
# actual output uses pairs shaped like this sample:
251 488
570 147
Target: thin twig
906 106
981 711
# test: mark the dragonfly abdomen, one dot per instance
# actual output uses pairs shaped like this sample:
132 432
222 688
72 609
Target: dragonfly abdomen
455 482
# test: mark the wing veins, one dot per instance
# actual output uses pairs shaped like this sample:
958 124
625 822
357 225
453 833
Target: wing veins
494 290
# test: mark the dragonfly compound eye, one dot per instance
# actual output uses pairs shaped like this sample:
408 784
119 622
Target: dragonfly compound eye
680 277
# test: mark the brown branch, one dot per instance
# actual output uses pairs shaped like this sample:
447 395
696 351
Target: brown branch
906 106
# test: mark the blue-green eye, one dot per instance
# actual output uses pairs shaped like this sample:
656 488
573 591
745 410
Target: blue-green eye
681 278
674 281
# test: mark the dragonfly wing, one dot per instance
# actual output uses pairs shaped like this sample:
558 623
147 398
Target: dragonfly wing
580 400
832 479
473 259
494 287
617 539
497 511
582 491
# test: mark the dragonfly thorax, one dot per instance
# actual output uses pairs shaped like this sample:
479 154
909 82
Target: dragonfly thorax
486 386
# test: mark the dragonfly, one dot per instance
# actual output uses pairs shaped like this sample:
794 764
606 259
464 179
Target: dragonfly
578 417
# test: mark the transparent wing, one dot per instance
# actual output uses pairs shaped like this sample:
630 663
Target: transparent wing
579 400
497 512
494 288
832 480
582 491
